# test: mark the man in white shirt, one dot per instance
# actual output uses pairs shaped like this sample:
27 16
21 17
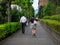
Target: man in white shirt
23 20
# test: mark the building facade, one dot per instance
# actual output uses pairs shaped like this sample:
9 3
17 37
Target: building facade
42 2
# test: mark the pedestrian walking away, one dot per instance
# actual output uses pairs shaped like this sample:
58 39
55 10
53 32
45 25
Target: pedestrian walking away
33 25
23 21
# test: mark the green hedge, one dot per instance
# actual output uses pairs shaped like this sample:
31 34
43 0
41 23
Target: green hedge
52 23
46 17
58 10
53 17
8 28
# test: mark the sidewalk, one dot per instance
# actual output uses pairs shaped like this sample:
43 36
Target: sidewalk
42 38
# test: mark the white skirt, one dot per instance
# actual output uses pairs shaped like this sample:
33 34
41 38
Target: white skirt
31 25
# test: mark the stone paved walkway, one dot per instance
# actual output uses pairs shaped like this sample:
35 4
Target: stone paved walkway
42 38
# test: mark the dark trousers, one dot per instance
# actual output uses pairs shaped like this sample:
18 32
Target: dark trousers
23 28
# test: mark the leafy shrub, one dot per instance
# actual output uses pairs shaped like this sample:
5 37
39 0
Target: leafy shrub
52 23
58 10
49 9
46 17
58 2
53 17
8 28
15 15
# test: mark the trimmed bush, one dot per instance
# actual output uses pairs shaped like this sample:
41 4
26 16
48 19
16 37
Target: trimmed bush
8 28
46 17
52 23
53 17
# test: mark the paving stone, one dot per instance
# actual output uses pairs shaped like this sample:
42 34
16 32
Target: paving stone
42 38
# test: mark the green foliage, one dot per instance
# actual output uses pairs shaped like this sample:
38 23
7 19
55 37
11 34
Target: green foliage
4 5
3 9
58 10
46 17
52 23
15 15
58 2
52 8
49 9
8 28
0 19
26 6
53 17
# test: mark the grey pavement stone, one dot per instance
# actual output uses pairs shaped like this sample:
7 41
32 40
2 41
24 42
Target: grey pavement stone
42 38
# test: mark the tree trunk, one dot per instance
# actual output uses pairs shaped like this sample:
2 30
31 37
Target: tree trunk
8 10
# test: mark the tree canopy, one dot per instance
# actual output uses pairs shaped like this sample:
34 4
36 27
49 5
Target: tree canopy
5 8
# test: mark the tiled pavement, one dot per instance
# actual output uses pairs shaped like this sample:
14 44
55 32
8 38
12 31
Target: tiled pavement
41 38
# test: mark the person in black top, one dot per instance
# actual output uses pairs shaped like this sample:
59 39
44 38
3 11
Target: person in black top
32 19
33 26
